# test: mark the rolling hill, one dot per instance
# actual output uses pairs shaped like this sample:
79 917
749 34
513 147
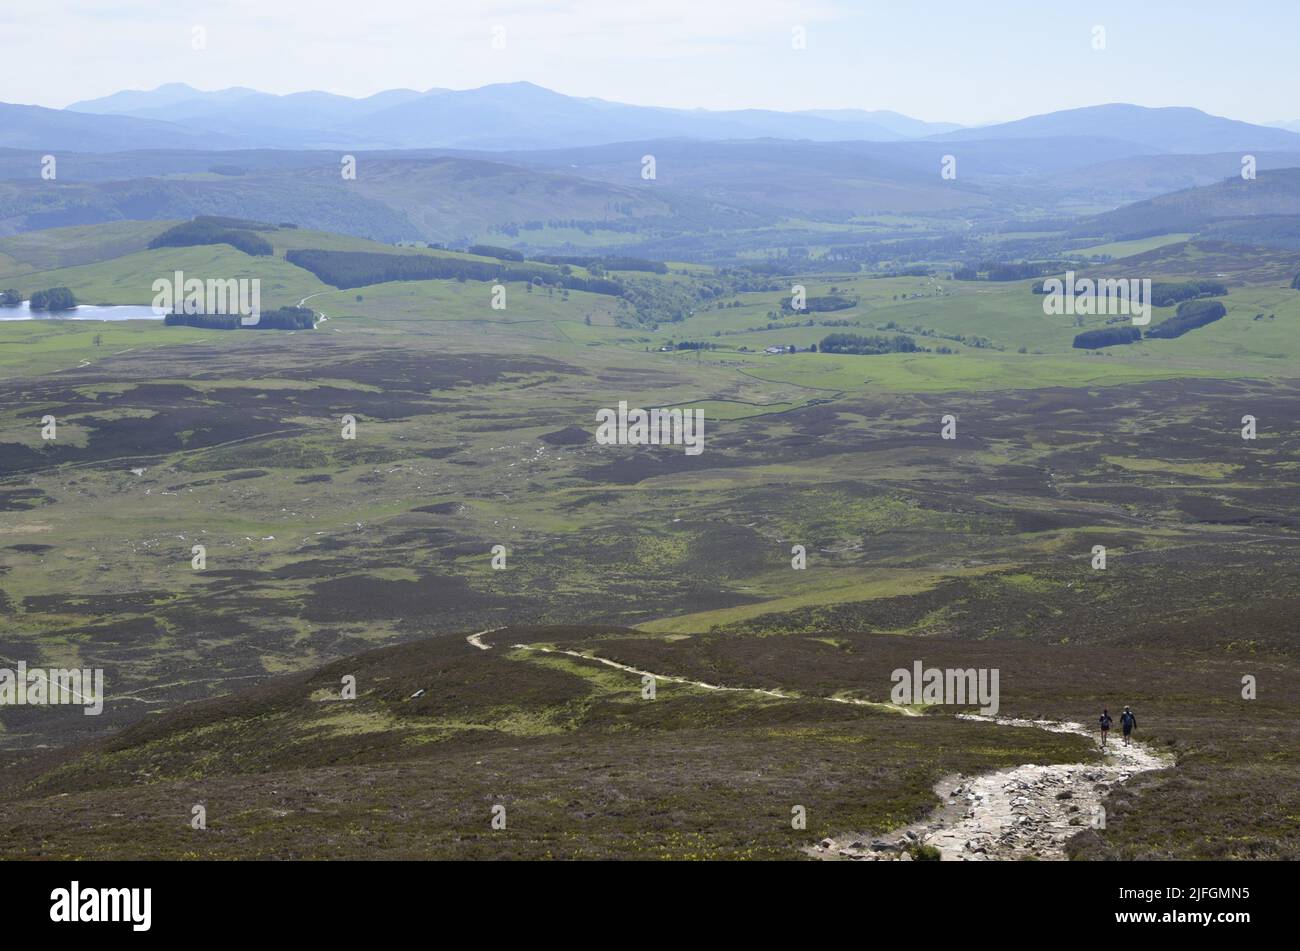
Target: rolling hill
51 130
1276 192
1170 129
438 199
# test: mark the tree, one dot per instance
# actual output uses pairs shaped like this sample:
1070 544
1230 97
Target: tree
55 298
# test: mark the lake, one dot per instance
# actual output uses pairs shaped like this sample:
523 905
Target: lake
83 312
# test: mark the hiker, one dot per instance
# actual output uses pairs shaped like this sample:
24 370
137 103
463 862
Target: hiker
1128 723
1105 726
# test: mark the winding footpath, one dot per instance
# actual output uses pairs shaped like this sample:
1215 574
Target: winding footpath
476 641
1025 812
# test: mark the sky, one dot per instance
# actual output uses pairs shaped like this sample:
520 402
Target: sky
967 61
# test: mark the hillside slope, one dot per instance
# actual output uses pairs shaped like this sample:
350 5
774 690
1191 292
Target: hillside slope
1274 192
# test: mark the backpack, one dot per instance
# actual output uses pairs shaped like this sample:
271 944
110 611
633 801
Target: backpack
1105 722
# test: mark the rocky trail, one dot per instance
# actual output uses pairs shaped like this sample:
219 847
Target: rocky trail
1025 812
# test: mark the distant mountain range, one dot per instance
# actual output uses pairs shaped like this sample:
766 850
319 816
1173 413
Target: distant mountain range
501 116
522 116
453 166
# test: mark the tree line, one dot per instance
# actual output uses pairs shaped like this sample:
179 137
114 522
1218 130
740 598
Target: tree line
282 318
347 269
1168 293
605 263
52 299
868 344
56 298
202 231
817 305
1107 337
999 271
1190 315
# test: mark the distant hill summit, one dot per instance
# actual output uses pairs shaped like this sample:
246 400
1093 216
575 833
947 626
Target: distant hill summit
1171 129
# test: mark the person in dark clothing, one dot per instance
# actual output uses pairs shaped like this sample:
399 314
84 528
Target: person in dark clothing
1104 722
1128 723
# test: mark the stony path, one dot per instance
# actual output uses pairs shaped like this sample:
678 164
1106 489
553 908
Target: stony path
1024 812
476 639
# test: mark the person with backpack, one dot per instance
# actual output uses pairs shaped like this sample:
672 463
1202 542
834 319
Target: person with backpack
1105 722
1128 723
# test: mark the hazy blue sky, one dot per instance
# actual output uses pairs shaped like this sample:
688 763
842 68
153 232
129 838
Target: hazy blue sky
971 61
